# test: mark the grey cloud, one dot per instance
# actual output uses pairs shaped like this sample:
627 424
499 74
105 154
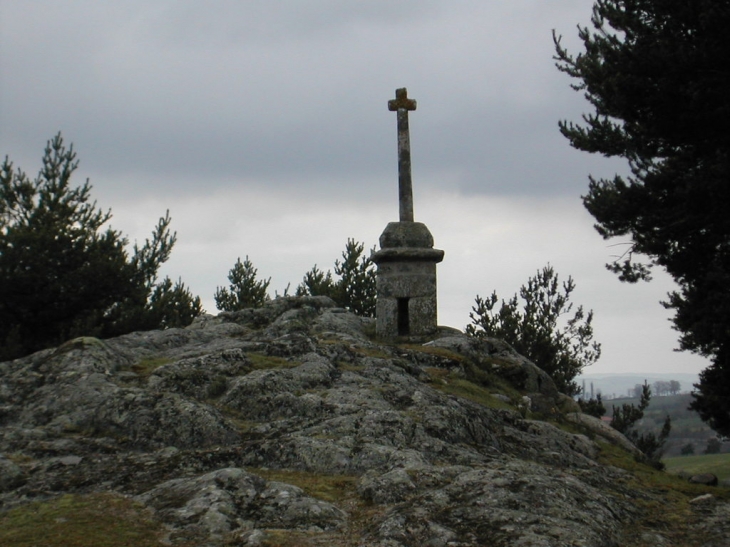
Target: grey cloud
167 91
234 23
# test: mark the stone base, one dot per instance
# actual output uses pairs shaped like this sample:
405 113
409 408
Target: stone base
406 282
406 317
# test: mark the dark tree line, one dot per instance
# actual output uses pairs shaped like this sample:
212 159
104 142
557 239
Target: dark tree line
352 289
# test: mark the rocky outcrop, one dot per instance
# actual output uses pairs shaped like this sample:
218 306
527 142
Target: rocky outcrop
290 422
209 507
598 427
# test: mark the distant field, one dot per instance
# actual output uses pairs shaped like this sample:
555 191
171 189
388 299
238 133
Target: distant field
718 464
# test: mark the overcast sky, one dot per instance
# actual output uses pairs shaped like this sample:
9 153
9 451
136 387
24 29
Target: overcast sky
263 127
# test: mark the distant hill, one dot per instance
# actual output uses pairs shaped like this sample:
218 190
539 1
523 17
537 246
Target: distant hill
613 385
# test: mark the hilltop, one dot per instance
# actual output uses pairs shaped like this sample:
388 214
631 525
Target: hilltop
290 426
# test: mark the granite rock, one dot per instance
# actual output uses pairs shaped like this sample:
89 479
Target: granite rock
290 421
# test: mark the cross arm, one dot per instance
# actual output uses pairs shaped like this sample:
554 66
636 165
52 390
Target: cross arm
401 101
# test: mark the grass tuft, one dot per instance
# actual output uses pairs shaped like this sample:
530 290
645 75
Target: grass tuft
96 520
454 384
147 366
331 488
264 362
667 510
436 351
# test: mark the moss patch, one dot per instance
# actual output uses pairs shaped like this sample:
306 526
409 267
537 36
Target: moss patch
331 488
97 520
284 538
471 382
339 490
436 351
147 366
264 362
468 390
81 342
648 477
376 353
661 498
350 367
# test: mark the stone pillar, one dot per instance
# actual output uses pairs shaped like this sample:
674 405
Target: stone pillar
406 282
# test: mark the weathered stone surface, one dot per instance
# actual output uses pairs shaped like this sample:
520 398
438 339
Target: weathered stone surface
504 503
402 104
11 476
210 506
190 422
406 234
702 499
338 323
406 281
710 523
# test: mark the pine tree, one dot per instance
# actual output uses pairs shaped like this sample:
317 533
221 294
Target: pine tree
245 290
536 324
655 75
355 286
317 283
592 407
625 419
63 275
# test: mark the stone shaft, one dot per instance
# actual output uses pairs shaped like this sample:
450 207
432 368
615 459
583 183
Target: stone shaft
402 104
405 183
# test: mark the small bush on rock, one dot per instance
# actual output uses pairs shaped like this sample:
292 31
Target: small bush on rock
592 407
532 324
651 444
245 290
355 288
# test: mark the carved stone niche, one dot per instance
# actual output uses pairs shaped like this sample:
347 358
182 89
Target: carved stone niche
406 282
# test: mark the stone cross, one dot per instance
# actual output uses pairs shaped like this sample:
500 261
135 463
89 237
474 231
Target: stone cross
402 104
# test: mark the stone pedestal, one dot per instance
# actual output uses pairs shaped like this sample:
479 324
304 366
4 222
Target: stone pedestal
406 281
